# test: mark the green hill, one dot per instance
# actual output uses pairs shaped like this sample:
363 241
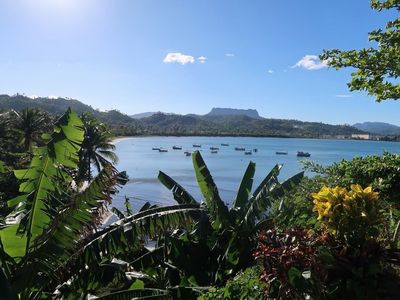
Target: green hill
229 122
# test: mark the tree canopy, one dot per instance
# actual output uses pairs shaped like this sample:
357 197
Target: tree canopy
377 69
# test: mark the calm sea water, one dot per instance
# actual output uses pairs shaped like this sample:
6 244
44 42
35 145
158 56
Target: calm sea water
227 167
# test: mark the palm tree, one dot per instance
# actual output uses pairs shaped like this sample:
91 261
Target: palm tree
31 123
97 148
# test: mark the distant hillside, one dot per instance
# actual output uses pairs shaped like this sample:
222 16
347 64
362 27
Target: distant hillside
220 121
60 105
216 111
239 125
148 114
378 128
143 115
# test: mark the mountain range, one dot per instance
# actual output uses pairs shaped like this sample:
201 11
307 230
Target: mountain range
378 128
219 121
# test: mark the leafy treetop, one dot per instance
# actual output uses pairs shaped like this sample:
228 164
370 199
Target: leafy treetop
377 69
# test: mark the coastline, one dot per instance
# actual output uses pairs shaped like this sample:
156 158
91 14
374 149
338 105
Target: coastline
117 139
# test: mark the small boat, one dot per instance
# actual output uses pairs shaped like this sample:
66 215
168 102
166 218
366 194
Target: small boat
214 151
177 147
187 153
303 154
196 146
155 148
223 144
255 150
162 150
248 153
239 149
214 148
281 153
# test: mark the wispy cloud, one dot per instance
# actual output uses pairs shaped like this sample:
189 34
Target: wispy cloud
202 59
229 54
311 62
343 96
270 71
177 57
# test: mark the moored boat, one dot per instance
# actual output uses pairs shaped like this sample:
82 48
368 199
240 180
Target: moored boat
214 151
187 153
240 149
255 150
155 148
177 147
281 153
196 146
247 153
223 144
214 148
303 154
162 150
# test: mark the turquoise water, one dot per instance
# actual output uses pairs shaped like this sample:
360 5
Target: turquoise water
227 167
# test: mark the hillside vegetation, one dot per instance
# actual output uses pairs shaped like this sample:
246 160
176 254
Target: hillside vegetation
218 122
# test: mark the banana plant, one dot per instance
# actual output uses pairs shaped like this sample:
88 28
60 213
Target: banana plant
50 246
223 238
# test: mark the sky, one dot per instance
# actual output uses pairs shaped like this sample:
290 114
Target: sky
187 56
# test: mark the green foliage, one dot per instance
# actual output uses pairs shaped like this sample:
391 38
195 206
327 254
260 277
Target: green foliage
97 148
245 285
38 181
295 209
29 124
222 239
354 216
377 68
293 268
164 124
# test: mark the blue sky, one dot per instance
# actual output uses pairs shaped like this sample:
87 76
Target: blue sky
187 56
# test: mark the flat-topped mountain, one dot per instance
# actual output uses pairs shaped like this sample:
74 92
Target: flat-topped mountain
378 128
220 121
217 111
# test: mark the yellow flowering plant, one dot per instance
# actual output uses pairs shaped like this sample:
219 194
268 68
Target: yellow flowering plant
352 215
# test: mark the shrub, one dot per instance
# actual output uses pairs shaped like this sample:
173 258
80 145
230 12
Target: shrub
245 285
352 216
293 268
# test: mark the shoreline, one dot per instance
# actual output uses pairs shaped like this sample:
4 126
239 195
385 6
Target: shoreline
118 139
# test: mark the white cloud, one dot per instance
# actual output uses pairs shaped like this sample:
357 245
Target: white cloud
311 62
53 97
229 55
202 59
270 71
33 96
343 96
177 57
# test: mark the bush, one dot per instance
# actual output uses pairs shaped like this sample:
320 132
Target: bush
353 216
245 285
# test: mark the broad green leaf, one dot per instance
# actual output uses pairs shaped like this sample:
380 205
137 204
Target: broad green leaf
137 284
244 191
270 179
39 181
2 167
288 184
219 213
14 245
180 194
261 202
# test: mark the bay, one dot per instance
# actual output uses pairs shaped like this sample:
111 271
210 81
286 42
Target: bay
227 166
